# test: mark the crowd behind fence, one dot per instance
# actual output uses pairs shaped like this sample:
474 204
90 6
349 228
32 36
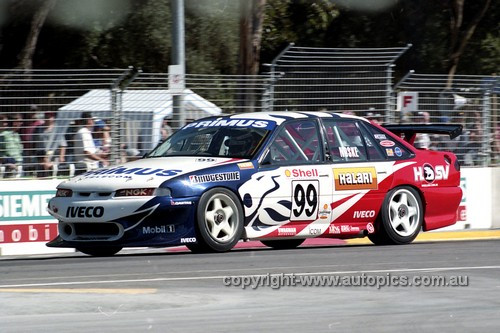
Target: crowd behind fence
470 100
46 115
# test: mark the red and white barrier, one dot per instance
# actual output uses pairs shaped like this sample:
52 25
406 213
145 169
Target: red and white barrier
25 225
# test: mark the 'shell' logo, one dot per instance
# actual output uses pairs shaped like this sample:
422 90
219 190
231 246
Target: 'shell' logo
429 174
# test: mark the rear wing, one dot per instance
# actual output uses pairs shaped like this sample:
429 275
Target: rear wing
410 131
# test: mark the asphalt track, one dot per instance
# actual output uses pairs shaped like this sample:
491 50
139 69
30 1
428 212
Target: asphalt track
161 290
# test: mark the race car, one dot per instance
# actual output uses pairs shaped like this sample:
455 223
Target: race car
276 177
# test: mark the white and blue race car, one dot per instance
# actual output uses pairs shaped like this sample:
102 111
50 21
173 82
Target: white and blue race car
276 177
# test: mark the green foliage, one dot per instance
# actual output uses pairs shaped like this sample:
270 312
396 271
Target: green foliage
211 36
143 40
490 57
304 22
121 33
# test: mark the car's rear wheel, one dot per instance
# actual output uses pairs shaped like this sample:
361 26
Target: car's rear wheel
100 251
219 221
283 244
401 217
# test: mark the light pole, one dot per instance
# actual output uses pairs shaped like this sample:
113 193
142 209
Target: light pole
177 69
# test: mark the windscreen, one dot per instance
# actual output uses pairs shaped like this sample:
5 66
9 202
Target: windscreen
216 138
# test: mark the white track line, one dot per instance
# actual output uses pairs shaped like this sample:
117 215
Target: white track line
191 278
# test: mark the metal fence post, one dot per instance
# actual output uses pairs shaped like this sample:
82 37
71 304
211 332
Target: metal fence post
273 75
387 113
486 142
115 124
117 88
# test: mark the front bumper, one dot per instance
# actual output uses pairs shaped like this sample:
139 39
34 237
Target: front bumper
159 221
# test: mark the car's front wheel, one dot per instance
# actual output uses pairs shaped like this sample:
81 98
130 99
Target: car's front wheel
219 221
100 251
401 217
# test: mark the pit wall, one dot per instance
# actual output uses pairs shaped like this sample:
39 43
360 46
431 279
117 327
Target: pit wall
25 225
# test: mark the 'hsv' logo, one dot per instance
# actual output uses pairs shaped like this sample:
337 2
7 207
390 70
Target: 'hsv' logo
89 212
429 174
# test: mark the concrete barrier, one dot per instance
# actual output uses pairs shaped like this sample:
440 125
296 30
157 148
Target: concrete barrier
25 225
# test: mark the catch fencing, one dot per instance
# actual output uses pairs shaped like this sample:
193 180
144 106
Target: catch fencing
132 110
354 80
469 100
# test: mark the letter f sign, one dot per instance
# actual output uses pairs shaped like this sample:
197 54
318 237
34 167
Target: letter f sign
407 100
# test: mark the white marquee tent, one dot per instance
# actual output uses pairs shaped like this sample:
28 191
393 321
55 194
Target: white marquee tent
142 113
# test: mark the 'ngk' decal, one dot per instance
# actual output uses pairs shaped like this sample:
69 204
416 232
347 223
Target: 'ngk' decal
429 174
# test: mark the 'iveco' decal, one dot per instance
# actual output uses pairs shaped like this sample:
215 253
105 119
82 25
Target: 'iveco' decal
97 211
134 171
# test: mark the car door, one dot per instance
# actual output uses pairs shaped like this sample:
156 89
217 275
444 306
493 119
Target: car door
361 172
293 185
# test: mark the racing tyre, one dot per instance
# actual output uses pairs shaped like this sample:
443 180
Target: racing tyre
401 217
283 244
219 221
100 251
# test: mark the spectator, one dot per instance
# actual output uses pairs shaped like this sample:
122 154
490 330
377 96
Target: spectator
46 156
475 138
423 141
446 104
32 120
496 144
129 154
102 139
166 130
132 154
460 143
84 148
8 164
376 118
11 147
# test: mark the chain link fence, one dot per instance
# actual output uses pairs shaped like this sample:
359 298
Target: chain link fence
469 100
355 80
128 112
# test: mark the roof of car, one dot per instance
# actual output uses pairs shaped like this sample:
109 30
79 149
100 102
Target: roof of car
280 116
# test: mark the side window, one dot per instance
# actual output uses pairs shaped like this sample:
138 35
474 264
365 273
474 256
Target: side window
390 147
375 152
345 141
296 142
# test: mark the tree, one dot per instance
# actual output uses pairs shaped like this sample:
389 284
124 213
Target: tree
26 55
461 32
454 36
212 36
251 20
303 22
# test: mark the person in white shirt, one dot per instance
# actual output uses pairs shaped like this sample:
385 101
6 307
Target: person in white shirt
423 140
84 148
